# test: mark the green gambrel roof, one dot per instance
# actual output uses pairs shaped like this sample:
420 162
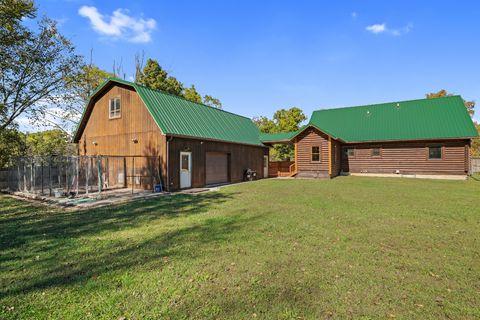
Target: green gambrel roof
427 119
181 117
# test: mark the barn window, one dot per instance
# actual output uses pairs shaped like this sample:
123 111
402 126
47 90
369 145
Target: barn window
376 152
114 108
435 152
316 153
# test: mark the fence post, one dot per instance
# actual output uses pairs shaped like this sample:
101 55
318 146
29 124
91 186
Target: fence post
32 180
66 167
41 171
125 182
77 167
87 174
50 176
99 168
24 176
133 173
18 175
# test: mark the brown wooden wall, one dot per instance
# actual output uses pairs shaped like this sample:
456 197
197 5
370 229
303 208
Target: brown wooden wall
409 158
336 158
114 137
305 141
241 157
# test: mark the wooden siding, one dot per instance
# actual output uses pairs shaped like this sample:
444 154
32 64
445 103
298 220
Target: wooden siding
408 157
241 157
336 158
305 141
115 137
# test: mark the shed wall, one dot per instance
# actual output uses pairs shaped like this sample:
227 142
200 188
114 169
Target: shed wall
241 157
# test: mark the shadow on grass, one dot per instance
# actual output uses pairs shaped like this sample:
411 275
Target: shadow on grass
41 249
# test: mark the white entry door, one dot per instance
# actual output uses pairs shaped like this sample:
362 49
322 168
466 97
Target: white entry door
265 166
185 170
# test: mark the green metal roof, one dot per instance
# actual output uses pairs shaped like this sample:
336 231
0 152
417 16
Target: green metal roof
437 118
180 117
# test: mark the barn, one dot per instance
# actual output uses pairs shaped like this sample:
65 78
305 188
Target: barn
196 145
425 137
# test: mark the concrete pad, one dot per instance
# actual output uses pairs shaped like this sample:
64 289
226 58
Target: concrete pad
412 176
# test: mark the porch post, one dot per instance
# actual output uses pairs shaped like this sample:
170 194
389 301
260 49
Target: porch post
330 156
296 154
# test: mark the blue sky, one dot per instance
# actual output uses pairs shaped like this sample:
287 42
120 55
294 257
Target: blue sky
259 56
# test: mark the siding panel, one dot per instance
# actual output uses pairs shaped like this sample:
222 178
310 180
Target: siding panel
408 158
240 156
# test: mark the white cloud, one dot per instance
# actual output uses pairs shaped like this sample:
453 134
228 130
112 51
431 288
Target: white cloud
119 25
376 28
382 28
354 14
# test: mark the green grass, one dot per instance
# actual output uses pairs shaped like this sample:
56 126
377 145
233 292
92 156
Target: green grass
351 247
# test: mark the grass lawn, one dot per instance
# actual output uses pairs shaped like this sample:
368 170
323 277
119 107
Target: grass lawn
351 247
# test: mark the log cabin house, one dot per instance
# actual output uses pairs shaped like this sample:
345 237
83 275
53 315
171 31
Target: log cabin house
198 145
419 137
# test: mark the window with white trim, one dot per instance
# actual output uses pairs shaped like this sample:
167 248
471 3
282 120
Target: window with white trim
114 108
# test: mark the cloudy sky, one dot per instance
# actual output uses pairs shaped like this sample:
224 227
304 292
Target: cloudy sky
259 56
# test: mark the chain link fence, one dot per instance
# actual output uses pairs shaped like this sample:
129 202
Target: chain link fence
75 175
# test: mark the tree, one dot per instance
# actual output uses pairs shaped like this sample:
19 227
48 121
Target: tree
11 14
470 105
35 66
476 143
153 76
49 142
12 145
212 102
284 120
192 94
289 120
80 88
264 124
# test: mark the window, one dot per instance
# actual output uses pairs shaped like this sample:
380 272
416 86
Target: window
376 152
316 153
435 152
114 108
185 160
349 152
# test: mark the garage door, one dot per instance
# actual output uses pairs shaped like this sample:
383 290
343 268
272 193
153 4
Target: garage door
216 168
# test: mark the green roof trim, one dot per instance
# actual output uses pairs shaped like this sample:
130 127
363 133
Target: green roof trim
423 119
180 117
